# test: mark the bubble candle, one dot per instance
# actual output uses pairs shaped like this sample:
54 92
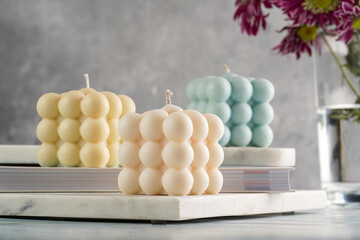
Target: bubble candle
79 127
170 151
241 103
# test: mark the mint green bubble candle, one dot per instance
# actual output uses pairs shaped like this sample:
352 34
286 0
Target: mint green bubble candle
241 103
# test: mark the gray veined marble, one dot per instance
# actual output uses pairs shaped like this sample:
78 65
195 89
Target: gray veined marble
259 157
18 154
142 207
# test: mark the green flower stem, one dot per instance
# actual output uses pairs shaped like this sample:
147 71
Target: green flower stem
357 37
340 66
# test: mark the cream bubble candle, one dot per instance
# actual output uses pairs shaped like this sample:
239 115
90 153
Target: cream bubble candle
241 103
79 127
170 151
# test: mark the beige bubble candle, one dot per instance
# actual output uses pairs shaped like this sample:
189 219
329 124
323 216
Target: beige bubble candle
170 151
79 127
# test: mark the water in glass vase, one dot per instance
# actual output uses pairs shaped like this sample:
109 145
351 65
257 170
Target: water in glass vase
339 150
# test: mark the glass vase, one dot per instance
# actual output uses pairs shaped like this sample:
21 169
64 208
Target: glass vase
338 123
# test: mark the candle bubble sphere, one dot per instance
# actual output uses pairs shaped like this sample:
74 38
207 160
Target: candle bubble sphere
216 155
47 105
128 105
178 154
47 155
263 90
201 88
170 108
129 126
216 181
94 130
150 154
94 155
95 105
201 181
201 155
221 109
177 127
128 181
218 89
150 181
241 113
263 114
151 124
242 90
115 105
69 104
216 127
200 125
46 130
69 130
262 136
226 137
69 154
177 182
129 154
241 135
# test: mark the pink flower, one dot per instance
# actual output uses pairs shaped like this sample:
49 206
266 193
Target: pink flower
250 16
298 40
306 18
310 12
349 16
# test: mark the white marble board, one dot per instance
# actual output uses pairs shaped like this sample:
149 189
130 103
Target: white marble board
259 157
18 154
156 208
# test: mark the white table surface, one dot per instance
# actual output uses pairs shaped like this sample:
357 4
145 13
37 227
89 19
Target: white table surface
330 223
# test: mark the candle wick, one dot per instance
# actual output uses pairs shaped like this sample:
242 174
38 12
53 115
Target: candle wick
227 69
86 76
169 94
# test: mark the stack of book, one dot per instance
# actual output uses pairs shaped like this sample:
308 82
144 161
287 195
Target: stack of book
244 170
258 169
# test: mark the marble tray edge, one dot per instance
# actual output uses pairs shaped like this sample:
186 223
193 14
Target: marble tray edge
318 201
163 209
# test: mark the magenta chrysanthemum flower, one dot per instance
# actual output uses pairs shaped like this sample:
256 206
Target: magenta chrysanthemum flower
250 15
339 18
349 16
298 40
310 12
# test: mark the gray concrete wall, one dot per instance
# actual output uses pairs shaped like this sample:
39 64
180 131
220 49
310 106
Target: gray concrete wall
140 48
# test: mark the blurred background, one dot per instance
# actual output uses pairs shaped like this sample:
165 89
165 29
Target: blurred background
141 48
